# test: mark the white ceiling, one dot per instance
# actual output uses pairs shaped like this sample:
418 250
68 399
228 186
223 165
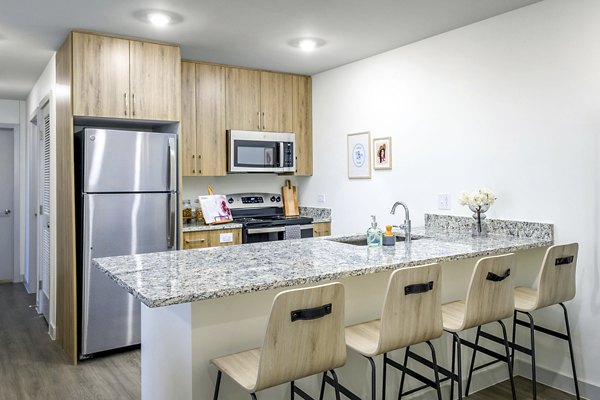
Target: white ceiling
251 33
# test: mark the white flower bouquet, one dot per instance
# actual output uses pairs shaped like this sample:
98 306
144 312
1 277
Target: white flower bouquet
478 202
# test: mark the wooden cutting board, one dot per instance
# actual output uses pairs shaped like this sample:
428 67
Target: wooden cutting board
290 199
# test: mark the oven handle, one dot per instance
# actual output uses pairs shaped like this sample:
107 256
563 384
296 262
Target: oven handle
253 231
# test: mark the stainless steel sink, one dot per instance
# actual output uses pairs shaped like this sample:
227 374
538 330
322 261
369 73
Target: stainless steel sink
362 241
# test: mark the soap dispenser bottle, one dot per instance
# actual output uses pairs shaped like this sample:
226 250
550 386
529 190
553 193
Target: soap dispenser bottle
374 234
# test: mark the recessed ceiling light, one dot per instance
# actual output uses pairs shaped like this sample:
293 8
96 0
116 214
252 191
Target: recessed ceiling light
307 44
159 18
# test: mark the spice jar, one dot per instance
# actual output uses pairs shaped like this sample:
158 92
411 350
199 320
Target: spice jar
186 209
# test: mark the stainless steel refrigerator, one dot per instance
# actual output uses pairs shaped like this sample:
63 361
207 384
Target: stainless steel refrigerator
127 182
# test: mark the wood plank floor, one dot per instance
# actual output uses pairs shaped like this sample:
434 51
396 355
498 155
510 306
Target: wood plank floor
34 367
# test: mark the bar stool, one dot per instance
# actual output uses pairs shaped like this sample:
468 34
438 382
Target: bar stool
411 314
305 336
555 285
489 299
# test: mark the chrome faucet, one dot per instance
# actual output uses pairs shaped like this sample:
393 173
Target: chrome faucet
406 224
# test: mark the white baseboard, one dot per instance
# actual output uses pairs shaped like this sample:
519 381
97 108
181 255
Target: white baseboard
558 381
52 331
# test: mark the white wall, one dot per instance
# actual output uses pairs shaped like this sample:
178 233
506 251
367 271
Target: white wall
46 85
12 115
192 187
511 103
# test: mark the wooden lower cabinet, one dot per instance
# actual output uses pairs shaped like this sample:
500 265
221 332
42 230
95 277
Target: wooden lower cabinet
203 239
322 229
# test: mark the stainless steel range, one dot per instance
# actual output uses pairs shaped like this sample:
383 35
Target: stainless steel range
263 219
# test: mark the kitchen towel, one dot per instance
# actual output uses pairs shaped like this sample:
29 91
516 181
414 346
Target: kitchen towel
292 232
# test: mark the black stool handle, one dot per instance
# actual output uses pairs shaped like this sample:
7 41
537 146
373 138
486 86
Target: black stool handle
418 288
497 278
564 260
311 313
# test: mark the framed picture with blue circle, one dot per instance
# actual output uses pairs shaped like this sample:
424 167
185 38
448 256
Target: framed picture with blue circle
359 155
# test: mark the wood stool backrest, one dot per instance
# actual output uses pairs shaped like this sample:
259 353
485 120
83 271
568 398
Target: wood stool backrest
489 300
556 281
296 349
409 317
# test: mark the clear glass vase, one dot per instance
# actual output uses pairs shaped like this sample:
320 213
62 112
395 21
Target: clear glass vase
479 227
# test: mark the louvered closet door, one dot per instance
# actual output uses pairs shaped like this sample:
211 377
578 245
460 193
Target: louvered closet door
44 220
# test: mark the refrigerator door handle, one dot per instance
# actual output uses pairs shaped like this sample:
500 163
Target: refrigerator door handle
172 165
172 223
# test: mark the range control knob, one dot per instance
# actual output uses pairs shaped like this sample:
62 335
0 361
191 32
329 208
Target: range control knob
273 199
278 199
230 200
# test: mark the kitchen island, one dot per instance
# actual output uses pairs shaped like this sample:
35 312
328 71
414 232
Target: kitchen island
204 303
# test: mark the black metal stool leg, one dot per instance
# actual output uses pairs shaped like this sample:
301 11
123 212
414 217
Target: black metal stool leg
436 372
459 365
453 367
514 338
323 386
217 385
373 379
293 386
336 385
384 376
472 362
533 364
510 367
571 350
406 351
253 396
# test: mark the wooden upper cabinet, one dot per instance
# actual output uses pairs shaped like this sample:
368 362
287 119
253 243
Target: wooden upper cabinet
243 99
188 119
276 102
210 120
100 76
302 111
155 81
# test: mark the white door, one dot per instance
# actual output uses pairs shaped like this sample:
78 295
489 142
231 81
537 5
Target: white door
6 205
43 296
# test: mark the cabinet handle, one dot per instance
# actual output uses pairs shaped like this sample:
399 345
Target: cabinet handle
132 103
264 120
195 241
258 114
126 103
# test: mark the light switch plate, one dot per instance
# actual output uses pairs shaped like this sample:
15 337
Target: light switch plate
226 237
444 201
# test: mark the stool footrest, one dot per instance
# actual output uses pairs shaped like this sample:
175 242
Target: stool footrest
482 366
301 393
543 330
427 363
498 340
415 390
484 350
409 372
343 390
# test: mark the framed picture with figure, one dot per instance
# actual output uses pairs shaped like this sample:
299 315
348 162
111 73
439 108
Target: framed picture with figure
359 155
382 153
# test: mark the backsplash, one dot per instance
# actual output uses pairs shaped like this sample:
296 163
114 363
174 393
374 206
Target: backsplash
192 187
535 230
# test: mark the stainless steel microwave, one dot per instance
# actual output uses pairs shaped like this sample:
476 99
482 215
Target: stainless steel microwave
253 151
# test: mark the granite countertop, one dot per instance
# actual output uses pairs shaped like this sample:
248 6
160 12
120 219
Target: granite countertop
162 279
196 227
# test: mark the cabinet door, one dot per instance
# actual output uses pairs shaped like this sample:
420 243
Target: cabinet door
100 76
243 99
188 119
302 110
276 102
321 229
203 239
210 120
155 81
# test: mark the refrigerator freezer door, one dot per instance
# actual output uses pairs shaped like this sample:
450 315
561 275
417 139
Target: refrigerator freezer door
127 161
117 224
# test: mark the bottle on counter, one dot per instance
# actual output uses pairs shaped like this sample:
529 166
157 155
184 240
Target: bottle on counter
374 234
389 237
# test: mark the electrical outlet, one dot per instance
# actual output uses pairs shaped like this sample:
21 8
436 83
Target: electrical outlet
444 201
226 238
321 198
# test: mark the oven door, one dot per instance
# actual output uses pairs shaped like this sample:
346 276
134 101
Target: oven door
269 234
